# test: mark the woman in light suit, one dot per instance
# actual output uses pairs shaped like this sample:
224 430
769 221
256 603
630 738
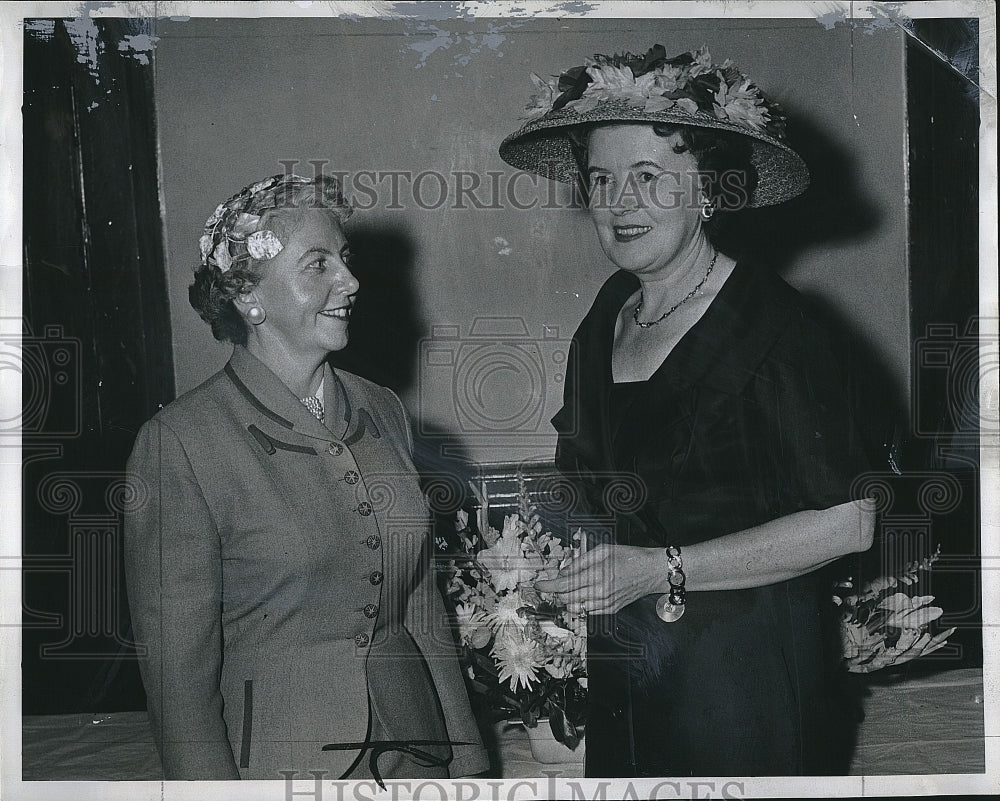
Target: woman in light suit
283 603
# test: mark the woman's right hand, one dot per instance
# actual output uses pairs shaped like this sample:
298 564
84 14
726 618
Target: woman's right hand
607 578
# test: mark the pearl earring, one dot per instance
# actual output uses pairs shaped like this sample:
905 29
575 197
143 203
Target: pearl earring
256 315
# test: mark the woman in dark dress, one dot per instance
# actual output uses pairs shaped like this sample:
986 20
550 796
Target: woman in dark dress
707 388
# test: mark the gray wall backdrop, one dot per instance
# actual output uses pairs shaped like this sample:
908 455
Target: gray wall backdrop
235 98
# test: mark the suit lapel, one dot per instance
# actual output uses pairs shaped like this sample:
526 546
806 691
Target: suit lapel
262 389
337 405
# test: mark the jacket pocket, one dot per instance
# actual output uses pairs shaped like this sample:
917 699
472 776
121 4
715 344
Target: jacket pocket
247 723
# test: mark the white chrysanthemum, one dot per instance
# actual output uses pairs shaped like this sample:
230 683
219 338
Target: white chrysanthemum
518 660
505 613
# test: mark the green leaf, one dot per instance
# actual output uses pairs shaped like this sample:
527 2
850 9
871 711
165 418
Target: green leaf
564 731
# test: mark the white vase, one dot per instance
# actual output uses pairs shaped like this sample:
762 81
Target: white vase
547 750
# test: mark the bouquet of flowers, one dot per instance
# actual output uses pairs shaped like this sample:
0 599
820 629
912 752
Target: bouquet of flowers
881 625
524 652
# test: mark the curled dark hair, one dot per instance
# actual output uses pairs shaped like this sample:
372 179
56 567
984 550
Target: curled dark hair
212 295
724 160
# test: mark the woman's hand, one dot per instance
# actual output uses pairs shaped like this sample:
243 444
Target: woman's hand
607 578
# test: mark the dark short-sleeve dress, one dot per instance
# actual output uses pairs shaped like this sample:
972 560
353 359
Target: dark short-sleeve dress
747 420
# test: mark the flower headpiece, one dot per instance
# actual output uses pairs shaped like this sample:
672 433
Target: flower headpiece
689 83
688 89
233 234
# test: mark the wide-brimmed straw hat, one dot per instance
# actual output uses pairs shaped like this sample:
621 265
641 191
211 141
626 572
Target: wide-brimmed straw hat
685 90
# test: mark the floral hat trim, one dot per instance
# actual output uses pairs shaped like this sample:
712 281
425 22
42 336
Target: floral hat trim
688 83
233 235
684 90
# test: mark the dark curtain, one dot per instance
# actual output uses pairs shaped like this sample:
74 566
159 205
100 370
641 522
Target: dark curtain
96 358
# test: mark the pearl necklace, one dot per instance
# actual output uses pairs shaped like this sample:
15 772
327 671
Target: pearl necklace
678 304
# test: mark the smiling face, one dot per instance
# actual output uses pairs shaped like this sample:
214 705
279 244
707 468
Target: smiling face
307 290
644 198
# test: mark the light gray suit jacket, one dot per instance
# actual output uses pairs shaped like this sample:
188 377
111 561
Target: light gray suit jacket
277 573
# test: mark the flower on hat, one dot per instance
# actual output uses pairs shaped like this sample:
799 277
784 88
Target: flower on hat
610 82
542 100
690 83
701 63
223 260
216 215
741 104
232 232
264 245
205 246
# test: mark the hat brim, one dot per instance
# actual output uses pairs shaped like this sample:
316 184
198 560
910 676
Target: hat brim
543 147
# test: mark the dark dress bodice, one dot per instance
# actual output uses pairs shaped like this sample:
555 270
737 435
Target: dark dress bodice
745 421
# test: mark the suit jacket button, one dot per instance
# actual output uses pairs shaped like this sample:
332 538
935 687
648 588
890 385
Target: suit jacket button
364 508
376 577
351 477
335 449
374 542
371 611
362 640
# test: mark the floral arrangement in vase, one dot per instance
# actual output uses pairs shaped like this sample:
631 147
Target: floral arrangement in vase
524 653
881 626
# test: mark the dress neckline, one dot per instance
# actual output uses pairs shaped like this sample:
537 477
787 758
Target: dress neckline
691 339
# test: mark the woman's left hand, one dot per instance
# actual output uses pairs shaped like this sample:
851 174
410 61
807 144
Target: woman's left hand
607 578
